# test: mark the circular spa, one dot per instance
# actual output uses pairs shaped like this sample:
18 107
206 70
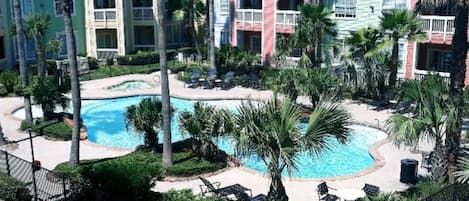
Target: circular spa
105 122
130 85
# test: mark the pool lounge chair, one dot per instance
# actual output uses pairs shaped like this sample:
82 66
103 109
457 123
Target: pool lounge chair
193 82
242 196
228 80
211 77
371 190
323 193
226 191
427 160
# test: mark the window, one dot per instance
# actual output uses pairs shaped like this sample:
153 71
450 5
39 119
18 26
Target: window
402 55
99 4
2 47
30 49
62 37
256 43
224 6
106 40
394 5
438 60
144 35
26 8
224 38
58 7
142 3
346 8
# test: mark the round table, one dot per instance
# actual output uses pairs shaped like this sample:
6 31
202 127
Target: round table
350 194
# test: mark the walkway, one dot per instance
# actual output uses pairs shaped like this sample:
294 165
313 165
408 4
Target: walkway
51 152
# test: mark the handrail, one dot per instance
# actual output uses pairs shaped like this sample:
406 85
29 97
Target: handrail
105 14
287 17
143 13
435 24
249 15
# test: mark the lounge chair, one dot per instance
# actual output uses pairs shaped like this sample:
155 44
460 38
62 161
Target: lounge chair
194 80
211 77
323 193
371 190
226 191
426 160
242 196
228 79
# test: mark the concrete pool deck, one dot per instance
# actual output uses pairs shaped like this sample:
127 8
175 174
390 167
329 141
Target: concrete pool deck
50 153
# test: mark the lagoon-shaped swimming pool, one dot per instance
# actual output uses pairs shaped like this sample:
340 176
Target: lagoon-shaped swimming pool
130 85
105 122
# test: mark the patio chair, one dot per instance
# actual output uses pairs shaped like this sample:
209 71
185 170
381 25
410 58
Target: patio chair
226 191
323 193
427 160
371 190
242 196
194 79
228 80
211 77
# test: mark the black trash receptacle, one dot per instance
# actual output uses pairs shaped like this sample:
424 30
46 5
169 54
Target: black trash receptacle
409 171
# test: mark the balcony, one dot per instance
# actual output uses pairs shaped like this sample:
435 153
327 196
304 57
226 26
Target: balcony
287 17
105 15
249 15
143 13
442 25
107 53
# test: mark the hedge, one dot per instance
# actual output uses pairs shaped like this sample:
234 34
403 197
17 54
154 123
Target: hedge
53 129
143 58
12 189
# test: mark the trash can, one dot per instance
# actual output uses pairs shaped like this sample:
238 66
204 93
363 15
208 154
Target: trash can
409 171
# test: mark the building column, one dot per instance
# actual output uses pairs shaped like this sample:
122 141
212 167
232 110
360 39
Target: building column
233 38
411 57
268 31
466 82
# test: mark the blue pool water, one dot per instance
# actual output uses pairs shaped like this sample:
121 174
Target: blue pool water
130 85
105 122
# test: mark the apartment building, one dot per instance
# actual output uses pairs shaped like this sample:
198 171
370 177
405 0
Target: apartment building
8 53
434 54
119 27
222 12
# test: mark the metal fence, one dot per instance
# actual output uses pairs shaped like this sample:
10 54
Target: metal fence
49 186
455 192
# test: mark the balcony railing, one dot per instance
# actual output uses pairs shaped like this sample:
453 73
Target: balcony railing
106 14
287 17
107 53
434 24
249 15
143 13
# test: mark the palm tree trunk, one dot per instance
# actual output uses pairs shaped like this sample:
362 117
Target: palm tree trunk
151 139
276 190
394 62
41 70
75 83
458 75
165 99
193 32
438 161
212 34
20 44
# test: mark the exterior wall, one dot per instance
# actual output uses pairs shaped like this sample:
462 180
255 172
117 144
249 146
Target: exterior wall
222 22
5 63
268 32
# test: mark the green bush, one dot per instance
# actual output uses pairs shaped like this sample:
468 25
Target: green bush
92 63
186 195
177 67
3 90
13 190
9 79
143 58
187 50
52 128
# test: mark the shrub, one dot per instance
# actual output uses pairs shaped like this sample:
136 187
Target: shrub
9 79
143 58
186 50
186 195
3 90
53 129
92 63
12 189
177 67
51 67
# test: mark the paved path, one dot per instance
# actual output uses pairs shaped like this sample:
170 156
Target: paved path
54 152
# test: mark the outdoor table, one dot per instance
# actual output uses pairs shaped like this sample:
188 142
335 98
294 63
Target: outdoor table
201 82
350 194
218 83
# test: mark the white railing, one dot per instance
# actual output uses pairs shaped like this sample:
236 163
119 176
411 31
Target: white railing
287 17
143 13
421 74
249 15
438 24
106 14
107 53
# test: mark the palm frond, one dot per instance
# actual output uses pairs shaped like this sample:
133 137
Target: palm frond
463 174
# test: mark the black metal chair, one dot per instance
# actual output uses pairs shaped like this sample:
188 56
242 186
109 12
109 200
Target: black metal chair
371 190
228 80
194 79
211 77
209 187
323 193
427 160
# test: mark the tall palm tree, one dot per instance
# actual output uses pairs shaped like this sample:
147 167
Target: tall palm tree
428 112
316 82
192 11
146 117
74 82
458 72
211 21
20 44
36 27
315 23
400 24
272 131
463 173
165 99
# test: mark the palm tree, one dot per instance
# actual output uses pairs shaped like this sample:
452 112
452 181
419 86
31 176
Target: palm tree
192 11
20 44
399 24
147 118
316 82
315 23
287 83
36 28
463 174
211 21
165 99
75 82
272 131
426 118
205 124
458 74
48 92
